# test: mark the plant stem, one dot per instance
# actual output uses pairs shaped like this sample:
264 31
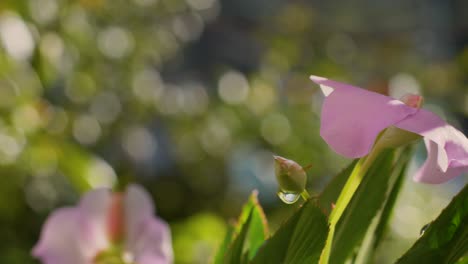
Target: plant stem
345 197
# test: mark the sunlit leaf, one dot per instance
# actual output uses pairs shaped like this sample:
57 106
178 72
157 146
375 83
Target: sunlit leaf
400 170
74 163
299 240
331 192
258 229
251 230
234 254
463 260
219 257
446 238
368 199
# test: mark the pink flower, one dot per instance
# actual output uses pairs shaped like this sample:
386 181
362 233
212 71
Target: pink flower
352 118
106 226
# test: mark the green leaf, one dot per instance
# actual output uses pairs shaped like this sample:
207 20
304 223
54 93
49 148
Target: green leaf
463 260
234 254
446 238
258 229
219 258
275 248
75 163
331 192
299 240
400 170
251 230
365 204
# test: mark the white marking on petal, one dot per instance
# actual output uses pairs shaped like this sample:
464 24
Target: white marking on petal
317 78
326 90
395 102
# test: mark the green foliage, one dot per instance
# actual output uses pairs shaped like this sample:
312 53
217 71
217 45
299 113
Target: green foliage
219 257
299 240
302 238
368 199
258 228
446 238
463 260
75 164
236 254
251 231
331 192
68 109
400 172
204 228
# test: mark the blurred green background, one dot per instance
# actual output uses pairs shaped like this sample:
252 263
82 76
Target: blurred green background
191 98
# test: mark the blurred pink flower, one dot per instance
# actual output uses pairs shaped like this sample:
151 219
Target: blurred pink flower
352 118
105 224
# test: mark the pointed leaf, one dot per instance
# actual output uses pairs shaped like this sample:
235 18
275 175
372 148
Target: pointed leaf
275 248
258 229
400 169
446 238
299 240
219 258
249 234
235 252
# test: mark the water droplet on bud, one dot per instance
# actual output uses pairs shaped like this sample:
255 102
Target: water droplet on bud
289 197
423 229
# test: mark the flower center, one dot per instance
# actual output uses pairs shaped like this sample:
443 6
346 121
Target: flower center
393 137
115 218
114 255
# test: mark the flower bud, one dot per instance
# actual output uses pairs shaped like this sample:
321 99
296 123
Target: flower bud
393 137
291 176
413 100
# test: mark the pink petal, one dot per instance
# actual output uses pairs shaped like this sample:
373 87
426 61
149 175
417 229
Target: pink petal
154 244
353 117
75 235
148 237
431 172
94 207
138 206
446 146
58 243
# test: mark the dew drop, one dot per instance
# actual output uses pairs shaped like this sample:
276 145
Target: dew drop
423 229
288 197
